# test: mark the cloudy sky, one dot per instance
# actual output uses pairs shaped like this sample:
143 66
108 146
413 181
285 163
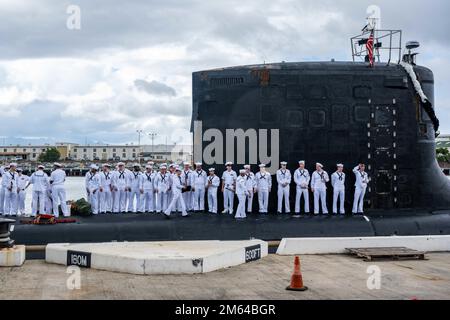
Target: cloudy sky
129 65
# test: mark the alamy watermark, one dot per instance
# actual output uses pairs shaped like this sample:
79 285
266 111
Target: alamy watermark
73 21
374 280
238 146
73 282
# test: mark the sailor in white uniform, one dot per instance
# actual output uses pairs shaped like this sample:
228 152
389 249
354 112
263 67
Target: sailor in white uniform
22 184
187 181
162 185
106 199
136 190
302 179
11 182
212 185
338 183
319 181
362 180
242 193
3 170
93 184
177 199
250 182
263 187
57 180
172 174
148 185
284 179
120 182
41 182
229 177
199 181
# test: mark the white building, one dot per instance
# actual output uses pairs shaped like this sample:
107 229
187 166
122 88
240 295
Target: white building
105 152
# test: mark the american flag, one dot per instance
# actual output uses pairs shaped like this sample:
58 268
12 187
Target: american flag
369 47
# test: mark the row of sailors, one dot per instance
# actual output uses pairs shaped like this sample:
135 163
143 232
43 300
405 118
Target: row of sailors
48 192
181 189
178 189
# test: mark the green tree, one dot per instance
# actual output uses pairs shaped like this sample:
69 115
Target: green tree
443 155
50 155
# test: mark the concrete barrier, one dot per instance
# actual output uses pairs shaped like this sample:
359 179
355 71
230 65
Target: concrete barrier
176 257
293 246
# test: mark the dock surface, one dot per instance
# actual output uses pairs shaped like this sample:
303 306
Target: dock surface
327 276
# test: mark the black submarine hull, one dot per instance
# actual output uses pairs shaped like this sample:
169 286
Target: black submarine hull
327 112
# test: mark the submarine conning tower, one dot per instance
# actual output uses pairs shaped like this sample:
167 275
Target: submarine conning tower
328 112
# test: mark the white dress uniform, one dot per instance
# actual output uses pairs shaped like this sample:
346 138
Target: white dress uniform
319 184
302 179
242 193
212 185
177 199
362 180
120 182
106 199
10 180
199 180
229 182
92 183
284 179
57 179
22 184
49 200
338 183
250 182
162 185
2 191
186 178
148 198
41 184
263 186
134 196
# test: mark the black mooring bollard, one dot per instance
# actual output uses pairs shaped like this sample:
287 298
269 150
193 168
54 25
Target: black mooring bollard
5 232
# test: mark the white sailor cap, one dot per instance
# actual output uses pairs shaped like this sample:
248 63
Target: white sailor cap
13 165
242 171
177 168
41 166
172 165
120 164
301 162
107 165
94 166
57 164
247 166
229 163
319 164
148 166
198 164
187 164
7 166
283 163
262 165
150 163
19 169
163 166
136 165
340 165
211 169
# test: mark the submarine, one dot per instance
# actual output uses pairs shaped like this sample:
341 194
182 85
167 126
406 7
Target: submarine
375 111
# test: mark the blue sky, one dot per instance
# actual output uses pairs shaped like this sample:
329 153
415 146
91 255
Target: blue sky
129 66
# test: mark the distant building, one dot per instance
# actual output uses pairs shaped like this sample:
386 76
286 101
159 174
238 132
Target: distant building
110 153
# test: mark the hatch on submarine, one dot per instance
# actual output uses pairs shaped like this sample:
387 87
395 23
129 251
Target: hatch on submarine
377 109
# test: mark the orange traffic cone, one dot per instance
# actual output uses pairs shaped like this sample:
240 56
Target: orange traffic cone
297 279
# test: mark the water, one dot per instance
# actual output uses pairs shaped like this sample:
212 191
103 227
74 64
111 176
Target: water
74 190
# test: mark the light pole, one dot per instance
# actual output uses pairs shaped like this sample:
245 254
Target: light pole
152 136
139 132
